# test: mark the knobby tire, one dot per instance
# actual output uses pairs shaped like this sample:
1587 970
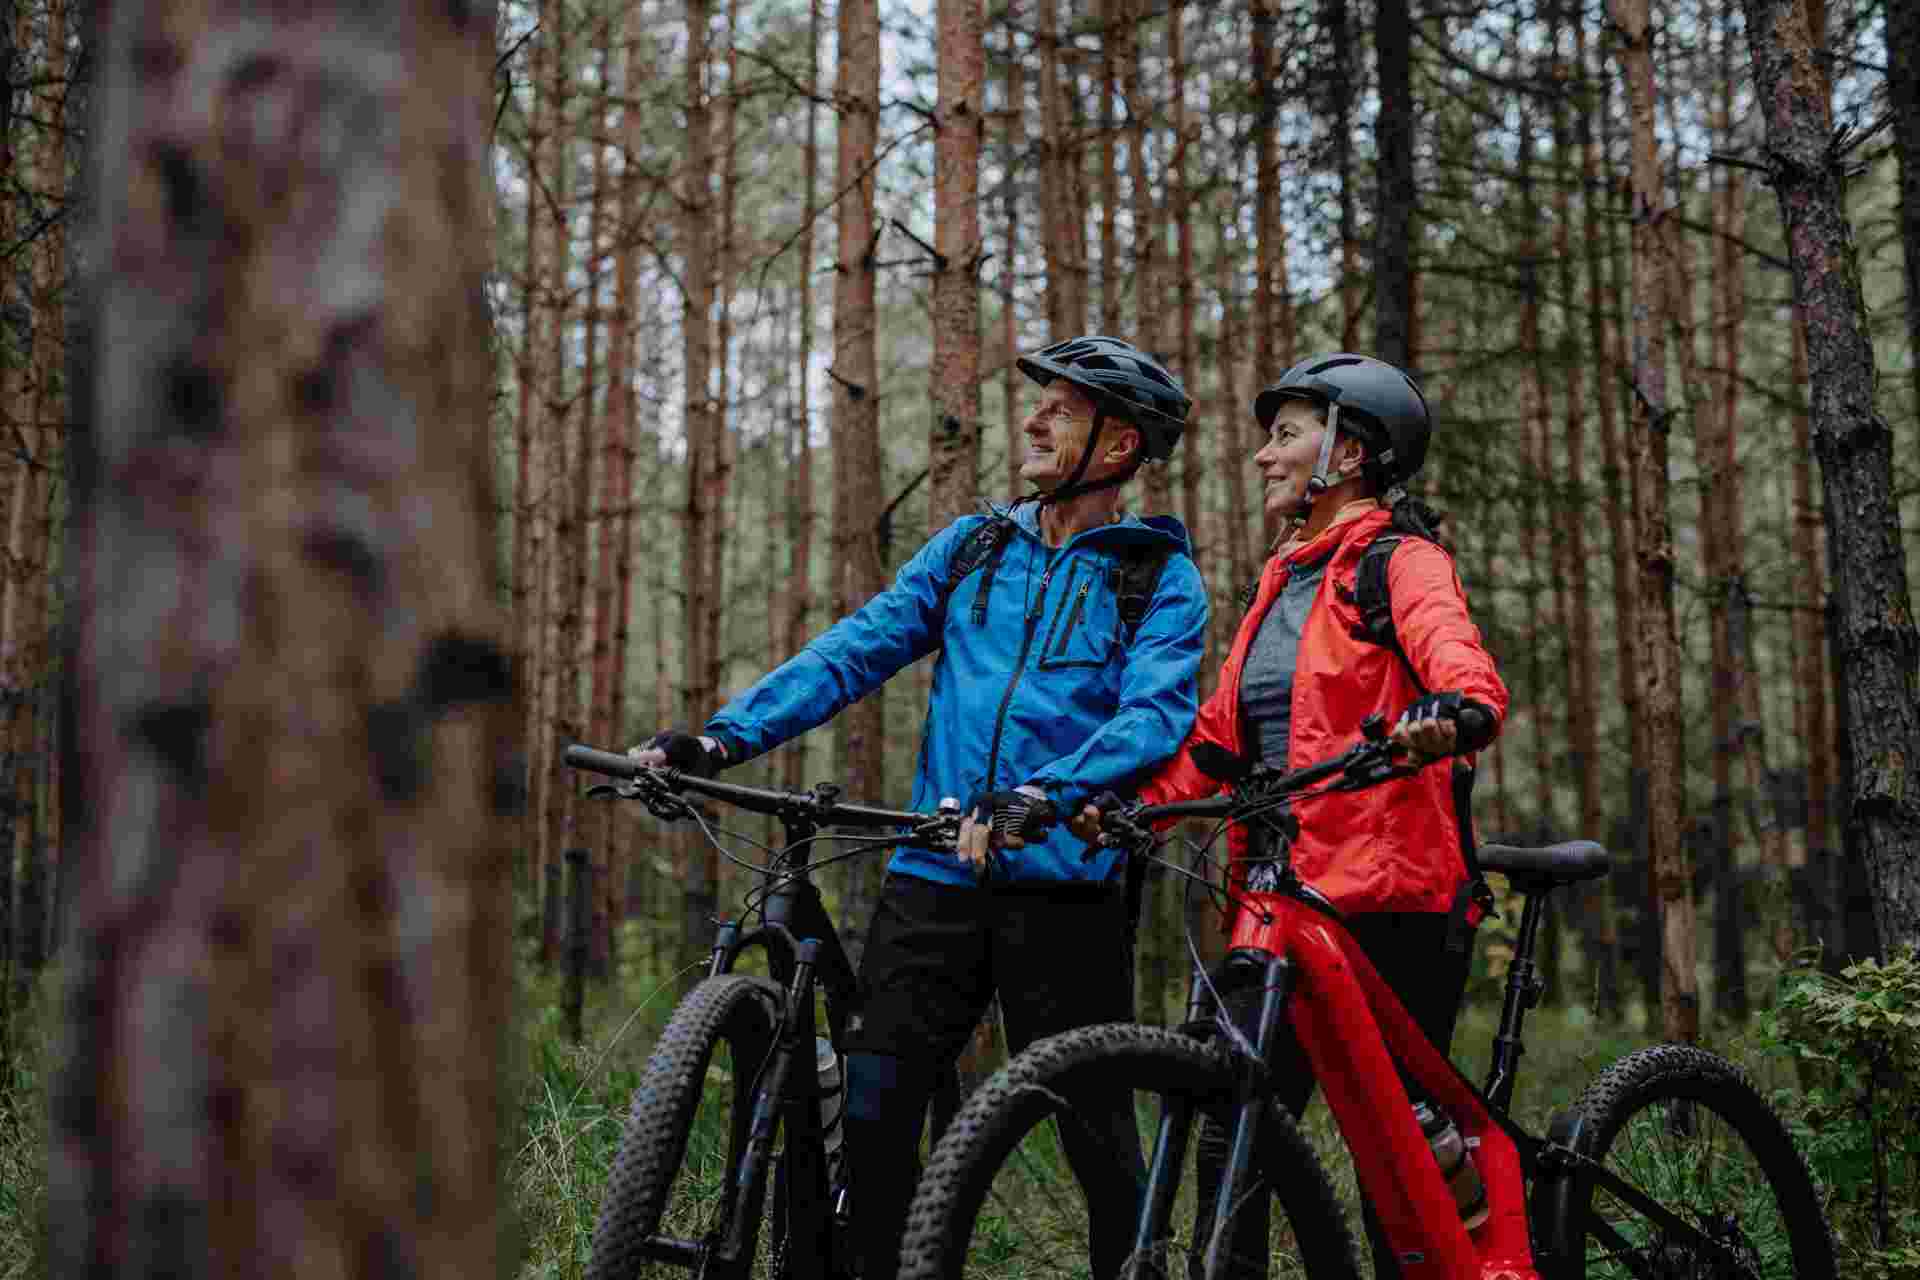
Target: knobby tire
1690 1130
980 1210
657 1186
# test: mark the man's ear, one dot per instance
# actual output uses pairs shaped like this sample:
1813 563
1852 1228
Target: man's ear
1126 444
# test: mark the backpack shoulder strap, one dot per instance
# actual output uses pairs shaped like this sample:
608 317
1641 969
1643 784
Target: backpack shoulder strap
1374 599
1138 577
984 545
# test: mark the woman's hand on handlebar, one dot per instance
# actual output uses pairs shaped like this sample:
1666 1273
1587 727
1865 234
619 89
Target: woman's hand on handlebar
1442 724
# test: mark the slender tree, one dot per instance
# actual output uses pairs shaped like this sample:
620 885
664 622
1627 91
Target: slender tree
1903 94
313 881
701 877
856 403
800 492
1656 649
1395 193
954 441
1063 232
1878 646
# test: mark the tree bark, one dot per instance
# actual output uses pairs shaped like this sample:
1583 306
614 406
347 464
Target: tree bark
1013 144
856 411
1878 643
1903 100
290 883
701 864
1813 679
954 440
1393 211
1062 201
1656 647
1115 49
800 493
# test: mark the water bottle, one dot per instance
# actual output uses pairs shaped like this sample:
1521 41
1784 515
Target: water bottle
833 1111
1450 1150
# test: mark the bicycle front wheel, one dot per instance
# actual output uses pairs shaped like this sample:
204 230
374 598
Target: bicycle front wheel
1039 1174
1686 1130
672 1190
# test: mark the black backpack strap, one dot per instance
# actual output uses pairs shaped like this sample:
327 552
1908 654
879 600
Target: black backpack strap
1373 598
984 545
1474 891
1136 577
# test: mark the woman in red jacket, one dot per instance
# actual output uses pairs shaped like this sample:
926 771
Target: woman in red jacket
1344 432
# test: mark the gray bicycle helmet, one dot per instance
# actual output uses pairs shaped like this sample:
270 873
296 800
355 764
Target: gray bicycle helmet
1372 399
1123 382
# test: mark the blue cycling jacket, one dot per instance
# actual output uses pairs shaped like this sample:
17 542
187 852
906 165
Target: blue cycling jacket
1042 691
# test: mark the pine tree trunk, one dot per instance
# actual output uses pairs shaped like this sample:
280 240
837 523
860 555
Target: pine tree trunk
1393 210
1063 235
1656 641
1013 144
700 876
1339 99
1114 46
1570 552
1903 94
954 442
313 883
800 494
1878 645
856 436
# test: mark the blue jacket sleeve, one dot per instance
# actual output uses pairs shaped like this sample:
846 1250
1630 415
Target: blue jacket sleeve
851 659
1158 696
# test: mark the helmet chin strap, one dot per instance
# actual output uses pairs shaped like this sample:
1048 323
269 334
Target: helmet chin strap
1073 488
1317 482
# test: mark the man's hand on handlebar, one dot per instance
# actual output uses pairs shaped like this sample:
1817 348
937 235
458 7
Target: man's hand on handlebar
1003 820
674 749
1442 724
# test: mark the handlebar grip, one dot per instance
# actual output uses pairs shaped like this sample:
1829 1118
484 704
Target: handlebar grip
1040 817
595 760
1475 727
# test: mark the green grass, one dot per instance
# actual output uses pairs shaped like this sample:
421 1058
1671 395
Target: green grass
566 1106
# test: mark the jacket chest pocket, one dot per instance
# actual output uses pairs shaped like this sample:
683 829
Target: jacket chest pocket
1085 625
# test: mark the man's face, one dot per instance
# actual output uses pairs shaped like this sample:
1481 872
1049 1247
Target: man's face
1056 433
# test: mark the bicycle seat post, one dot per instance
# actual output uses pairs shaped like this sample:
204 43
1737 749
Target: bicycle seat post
1523 991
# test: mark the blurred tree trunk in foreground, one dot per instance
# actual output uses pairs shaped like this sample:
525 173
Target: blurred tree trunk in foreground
290 874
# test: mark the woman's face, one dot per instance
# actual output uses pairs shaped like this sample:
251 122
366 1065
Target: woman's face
1287 459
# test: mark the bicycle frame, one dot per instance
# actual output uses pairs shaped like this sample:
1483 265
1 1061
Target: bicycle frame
1352 1030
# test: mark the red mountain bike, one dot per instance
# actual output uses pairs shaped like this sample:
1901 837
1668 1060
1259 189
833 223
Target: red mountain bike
1669 1165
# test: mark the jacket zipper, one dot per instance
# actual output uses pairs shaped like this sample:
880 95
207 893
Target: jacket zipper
1034 614
1073 618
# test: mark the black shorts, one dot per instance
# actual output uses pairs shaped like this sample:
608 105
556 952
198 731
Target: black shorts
1059 957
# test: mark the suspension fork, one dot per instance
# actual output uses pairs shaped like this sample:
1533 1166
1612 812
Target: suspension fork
1276 986
1170 1139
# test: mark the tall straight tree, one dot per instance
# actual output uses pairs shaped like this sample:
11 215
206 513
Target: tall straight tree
288 680
1013 122
1062 235
701 875
1903 94
1393 203
856 404
1878 645
799 596
954 444
1656 649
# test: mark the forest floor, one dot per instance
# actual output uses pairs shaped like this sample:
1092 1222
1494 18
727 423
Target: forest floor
569 1102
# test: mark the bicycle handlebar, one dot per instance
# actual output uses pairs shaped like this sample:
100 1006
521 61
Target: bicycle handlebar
821 805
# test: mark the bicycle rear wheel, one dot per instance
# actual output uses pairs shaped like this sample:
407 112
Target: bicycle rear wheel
999 1199
672 1188
1689 1130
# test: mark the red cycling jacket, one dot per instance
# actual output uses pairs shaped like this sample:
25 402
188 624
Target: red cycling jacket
1396 846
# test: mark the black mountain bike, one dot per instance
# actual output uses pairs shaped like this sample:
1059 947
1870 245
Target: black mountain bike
725 1167
1670 1165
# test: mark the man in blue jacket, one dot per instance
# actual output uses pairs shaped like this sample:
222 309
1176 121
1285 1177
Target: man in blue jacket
1069 636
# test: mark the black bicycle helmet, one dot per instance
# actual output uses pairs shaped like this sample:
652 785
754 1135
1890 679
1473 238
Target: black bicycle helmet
1376 402
1123 382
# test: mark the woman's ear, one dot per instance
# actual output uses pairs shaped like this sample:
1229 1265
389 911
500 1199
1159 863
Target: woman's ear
1352 457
